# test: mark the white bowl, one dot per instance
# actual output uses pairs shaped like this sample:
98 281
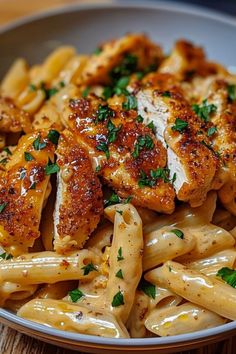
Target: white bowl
84 26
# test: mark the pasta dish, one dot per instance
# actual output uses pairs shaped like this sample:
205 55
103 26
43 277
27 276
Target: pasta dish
118 190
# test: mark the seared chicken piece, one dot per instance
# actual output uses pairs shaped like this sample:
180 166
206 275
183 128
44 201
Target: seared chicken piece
100 65
23 188
187 60
12 118
79 203
192 164
126 153
222 130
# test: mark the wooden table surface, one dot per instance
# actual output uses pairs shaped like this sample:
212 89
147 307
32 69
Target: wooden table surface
12 342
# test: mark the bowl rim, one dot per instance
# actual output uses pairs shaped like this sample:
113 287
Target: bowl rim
182 8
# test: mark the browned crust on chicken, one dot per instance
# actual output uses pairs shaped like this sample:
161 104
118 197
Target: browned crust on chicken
81 201
12 118
22 190
121 170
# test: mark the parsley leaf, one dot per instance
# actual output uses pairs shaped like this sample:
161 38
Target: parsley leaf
144 181
107 92
6 256
205 110
119 212
22 173
211 131
120 256
180 125
228 275
152 127
33 185
166 94
104 112
89 268
53 136
118 299
178 233
7 150
144 141
28 156
128 199
148 288
32 87
112 131
231 92
49 92
76 294
3 206
4 161
139 119
39 145
130 103
98 168
102 146
114 199
125 68
162 173
119 274
86 92
51 168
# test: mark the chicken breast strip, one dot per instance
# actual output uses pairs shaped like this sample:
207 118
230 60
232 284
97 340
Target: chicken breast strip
79 202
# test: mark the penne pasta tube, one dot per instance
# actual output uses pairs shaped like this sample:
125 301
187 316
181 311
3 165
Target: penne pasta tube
180 319
65 316
47 267
163 244
16 79
15 291
125 261
194 286
210 265
223 218
56 291
101 238
209 240
135 323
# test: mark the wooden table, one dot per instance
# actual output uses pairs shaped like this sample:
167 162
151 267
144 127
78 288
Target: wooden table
12 342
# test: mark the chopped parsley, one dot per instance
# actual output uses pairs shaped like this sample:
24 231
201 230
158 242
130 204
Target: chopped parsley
107 92
159 173
130 103
162 173
119 274
166 94
89 268
231 92
114 199
75 295
103 146
211 131
7 150
32 87
148 288
103 113
180 125
152 127
144 141
178 233
118 299
3 206
4 161
112 131
33 185
144 181
125 68
51 168
120 86
97 51
128 199
62 84
98 168
119 212
6 256
22 173
210 148
28 156
139 119
49 92
39 145
228 275
53 136
119 255
86 92
205 110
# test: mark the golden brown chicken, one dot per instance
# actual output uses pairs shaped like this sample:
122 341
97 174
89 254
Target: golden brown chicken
192 164
124 151
79 203
23 189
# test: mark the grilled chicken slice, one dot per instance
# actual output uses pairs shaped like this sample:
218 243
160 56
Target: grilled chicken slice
79 202
23 189
222 130
126 153
12 118
100 65
187 61
192 164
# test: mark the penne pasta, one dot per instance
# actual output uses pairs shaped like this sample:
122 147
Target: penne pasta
68 317
181 319
15 291
195 287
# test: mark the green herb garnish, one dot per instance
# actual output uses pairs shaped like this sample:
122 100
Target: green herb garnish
28 156
86 92
89 268
178 233
139 119
130 103
118 299
103 113
114 199
211 131
33 185
103 146
180 125
231 92
51 168
120 256
228 275
39 145
144 141
205 110
7 150
53 136
6 256
3 206
119 274
75 295
112 131
148 288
